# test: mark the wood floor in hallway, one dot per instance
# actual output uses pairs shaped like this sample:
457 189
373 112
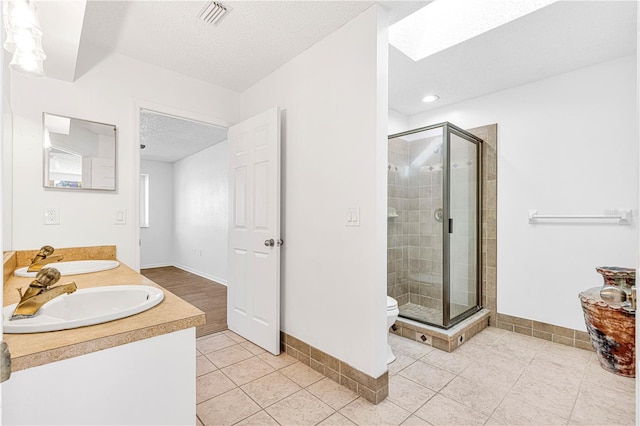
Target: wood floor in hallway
208 296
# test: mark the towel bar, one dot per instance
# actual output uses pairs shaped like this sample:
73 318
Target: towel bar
623 216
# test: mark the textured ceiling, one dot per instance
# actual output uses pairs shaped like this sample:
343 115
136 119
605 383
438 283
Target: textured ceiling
257 37
564 36
252 41
170 139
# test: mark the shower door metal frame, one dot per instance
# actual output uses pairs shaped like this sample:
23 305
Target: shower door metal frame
447 129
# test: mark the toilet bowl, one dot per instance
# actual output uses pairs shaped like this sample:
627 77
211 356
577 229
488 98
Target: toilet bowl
392 316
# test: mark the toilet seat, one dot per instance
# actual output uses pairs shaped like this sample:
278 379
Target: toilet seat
392 316
392 304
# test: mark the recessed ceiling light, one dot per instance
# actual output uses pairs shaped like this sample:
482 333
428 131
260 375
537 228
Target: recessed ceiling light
430 30
430 98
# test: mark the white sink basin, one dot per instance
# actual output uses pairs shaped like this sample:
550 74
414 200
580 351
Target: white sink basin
73 267
87 306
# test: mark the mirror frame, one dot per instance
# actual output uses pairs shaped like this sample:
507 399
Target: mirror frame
45 156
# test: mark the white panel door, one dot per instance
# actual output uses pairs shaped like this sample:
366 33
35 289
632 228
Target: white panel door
253 291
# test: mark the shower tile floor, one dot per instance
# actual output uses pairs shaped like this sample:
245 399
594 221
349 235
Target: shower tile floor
428 315
496 378
421 313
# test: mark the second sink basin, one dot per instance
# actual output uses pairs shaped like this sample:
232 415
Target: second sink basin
73 267
86 307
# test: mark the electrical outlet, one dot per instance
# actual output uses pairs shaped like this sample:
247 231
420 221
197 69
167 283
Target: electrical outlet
52 216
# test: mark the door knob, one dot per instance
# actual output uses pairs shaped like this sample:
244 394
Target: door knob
269 243
280 242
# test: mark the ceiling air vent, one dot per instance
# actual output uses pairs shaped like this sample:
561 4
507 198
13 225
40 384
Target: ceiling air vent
214 12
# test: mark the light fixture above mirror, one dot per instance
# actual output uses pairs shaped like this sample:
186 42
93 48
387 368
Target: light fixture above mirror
24 37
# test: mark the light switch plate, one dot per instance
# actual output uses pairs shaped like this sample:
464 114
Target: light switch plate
120 217
352 216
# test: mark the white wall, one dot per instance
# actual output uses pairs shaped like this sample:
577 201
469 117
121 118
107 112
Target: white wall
397 122
201 213
7 153
107 93
156 248
566 145
334 154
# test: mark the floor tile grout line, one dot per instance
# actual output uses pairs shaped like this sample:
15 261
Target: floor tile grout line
515 382
275 402
413 413
506 394
198 417
227 347
531 357
575 402
333 409
257 403
275 370
458 375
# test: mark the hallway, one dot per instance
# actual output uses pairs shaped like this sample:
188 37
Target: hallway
206 295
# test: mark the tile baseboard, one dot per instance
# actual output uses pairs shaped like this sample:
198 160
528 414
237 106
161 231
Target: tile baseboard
445 340
373 389
541 330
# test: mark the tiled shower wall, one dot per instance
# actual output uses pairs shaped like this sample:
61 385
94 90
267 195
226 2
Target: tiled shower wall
425 232
414 256
398 204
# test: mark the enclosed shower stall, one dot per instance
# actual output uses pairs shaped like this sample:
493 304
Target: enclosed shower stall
434 224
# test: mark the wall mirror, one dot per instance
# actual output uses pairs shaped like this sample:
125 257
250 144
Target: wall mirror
78 154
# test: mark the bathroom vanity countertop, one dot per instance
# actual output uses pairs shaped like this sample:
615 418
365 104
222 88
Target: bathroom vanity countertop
31 350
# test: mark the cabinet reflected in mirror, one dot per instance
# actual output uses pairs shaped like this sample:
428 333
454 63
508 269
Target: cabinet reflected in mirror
78 154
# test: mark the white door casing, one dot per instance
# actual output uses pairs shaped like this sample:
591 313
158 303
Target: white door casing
253 292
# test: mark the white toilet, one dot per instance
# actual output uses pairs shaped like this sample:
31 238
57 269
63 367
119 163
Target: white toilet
392 316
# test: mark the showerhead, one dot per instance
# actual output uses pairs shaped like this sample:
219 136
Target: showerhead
432 149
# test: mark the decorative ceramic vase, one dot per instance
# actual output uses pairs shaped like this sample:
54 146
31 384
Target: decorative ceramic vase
617 276
612 331
611 321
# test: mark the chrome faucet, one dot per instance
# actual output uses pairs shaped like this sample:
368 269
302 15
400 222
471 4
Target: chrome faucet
41 292
43 258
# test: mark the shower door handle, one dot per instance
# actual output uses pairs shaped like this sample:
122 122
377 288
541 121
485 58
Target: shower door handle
451 225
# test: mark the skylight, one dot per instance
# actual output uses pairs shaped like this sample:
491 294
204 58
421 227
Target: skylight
445 23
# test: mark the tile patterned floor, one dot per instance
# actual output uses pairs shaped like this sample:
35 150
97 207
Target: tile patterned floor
429 315
496 378
421 313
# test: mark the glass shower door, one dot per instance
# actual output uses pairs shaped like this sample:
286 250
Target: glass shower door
433 224
463 227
